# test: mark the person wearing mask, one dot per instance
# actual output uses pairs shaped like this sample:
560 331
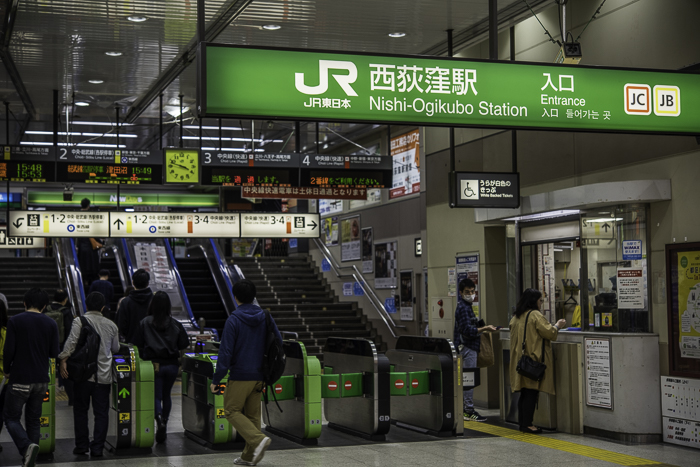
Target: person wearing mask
31 340
105 287
467 338
160 338
61 304
97 388
3 333
88 256
134 308
538 330
241 351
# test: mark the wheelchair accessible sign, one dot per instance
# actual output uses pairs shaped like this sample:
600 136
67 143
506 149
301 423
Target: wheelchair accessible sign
485 190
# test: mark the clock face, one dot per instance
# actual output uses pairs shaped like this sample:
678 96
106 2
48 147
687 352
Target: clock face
182 166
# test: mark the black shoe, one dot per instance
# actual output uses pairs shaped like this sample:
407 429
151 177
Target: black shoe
81 451
161 432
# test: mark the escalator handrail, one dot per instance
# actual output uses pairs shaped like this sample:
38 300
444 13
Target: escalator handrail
127 255
79 275
120 266
222 293
180 285
62 276
225 271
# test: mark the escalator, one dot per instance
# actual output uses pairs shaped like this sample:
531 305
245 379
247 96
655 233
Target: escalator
202 293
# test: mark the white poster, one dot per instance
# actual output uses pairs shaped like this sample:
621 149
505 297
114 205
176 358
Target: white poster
451 282
405 152
598 373
630 288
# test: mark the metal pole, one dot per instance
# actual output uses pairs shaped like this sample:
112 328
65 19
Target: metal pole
116 119
181 96
220 134
318 140
7 125
563 22
119 194
512 43
200 133
514 133
388 140
201 31
160 121
252 135
493 29
297 136
450 53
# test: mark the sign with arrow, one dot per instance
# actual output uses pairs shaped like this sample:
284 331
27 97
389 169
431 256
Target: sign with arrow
280 225
124 393
59 224
14 243
175 224
598 228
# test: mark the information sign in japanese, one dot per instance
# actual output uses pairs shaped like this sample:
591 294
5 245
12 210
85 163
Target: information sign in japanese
326 86
59 224
18 243
405 154
280 225
486 190
358 171
631 250
630 289
28 164
599 392
303 193
110 166
181 225
250 170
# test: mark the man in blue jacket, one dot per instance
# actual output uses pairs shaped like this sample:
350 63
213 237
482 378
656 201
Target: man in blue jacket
241 354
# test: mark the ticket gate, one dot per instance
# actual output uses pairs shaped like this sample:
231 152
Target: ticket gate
131 414
355 388
47 441
429 370
202 411
298 393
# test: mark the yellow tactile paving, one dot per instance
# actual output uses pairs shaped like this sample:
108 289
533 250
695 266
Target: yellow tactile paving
566 446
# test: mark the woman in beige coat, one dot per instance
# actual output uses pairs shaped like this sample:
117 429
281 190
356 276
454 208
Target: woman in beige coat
538 330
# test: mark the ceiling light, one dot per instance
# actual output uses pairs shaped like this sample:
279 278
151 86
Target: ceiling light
196 127
397 34
272 27
113 54
82 104
137 19
95 81
81 122
175 111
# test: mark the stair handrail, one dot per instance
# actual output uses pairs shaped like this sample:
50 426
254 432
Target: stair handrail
225 294
366 288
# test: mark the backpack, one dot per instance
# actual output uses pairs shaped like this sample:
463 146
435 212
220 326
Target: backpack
82 364
57 316
274 360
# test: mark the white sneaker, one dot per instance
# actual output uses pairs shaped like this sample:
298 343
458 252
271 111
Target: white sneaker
239 461
259 452
29 459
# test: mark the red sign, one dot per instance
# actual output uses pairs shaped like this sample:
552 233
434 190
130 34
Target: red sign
332 386
414 383
278 388
348 385
399 384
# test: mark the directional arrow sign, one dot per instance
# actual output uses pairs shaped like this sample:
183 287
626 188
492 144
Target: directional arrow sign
280 225
175 224
124 393
14 243
59 224
18 223
118 223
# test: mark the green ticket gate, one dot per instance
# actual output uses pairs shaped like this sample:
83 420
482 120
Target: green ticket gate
203 412
355 388
429 370
47 441
298 392
131 417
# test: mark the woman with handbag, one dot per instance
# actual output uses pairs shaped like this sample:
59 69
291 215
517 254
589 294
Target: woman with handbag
160 338
531 359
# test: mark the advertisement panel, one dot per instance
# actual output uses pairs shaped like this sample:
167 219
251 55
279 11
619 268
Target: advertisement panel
350 249
385 265
405 153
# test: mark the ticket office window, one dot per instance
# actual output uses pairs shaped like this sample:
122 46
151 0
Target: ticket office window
614 253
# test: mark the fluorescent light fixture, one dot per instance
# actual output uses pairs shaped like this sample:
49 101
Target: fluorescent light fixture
196 127
544 215
113 54
81 122
175 110
136 19
82 104
231 149
82 145
272 27
558 249
397 34
75 133
95 81
129 209
244 140
605 219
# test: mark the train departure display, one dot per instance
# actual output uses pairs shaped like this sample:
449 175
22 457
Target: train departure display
36 171
111 174
249 176
344 178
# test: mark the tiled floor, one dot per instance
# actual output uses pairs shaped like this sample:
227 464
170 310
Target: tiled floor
473 450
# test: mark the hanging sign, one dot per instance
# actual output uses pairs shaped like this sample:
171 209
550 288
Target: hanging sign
109 166
485 190
168 225
59 224
28 164
405 155
326 86
280 225
250 170
358 171
15 243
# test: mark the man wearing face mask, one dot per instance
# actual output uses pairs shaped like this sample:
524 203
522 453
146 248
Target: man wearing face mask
467 338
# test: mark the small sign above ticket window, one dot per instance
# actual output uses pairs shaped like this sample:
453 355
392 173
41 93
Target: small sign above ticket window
485 190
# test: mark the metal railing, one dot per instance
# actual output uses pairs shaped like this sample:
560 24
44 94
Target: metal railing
63 279
366 288
69 272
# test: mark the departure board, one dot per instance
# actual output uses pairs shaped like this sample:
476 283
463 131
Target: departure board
27 164
109 166
322 171
250 170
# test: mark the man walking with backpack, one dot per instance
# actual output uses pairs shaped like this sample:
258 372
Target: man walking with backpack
91 370
243 350
31 340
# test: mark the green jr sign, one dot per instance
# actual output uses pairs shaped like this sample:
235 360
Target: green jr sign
301 85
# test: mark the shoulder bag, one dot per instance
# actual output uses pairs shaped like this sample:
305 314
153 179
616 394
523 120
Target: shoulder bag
528 367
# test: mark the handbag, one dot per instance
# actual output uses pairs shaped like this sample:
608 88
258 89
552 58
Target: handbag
528 367
485 356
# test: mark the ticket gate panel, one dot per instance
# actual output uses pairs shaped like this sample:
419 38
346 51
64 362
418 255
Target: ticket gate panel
47 422
366 414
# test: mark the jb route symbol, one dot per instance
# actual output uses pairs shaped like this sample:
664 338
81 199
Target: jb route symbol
312 85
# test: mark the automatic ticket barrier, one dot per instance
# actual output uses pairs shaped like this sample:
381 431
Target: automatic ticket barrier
131 416
355 388
429 370
203 412
47 441
298 393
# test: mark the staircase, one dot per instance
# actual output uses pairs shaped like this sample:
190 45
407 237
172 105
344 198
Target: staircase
300 301
110 263
202 293
17 275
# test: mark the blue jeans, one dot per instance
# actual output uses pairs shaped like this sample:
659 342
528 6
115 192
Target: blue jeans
469 357
17 396
99 393
163 384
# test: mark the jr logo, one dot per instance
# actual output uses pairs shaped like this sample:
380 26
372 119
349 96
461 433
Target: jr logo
323 70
